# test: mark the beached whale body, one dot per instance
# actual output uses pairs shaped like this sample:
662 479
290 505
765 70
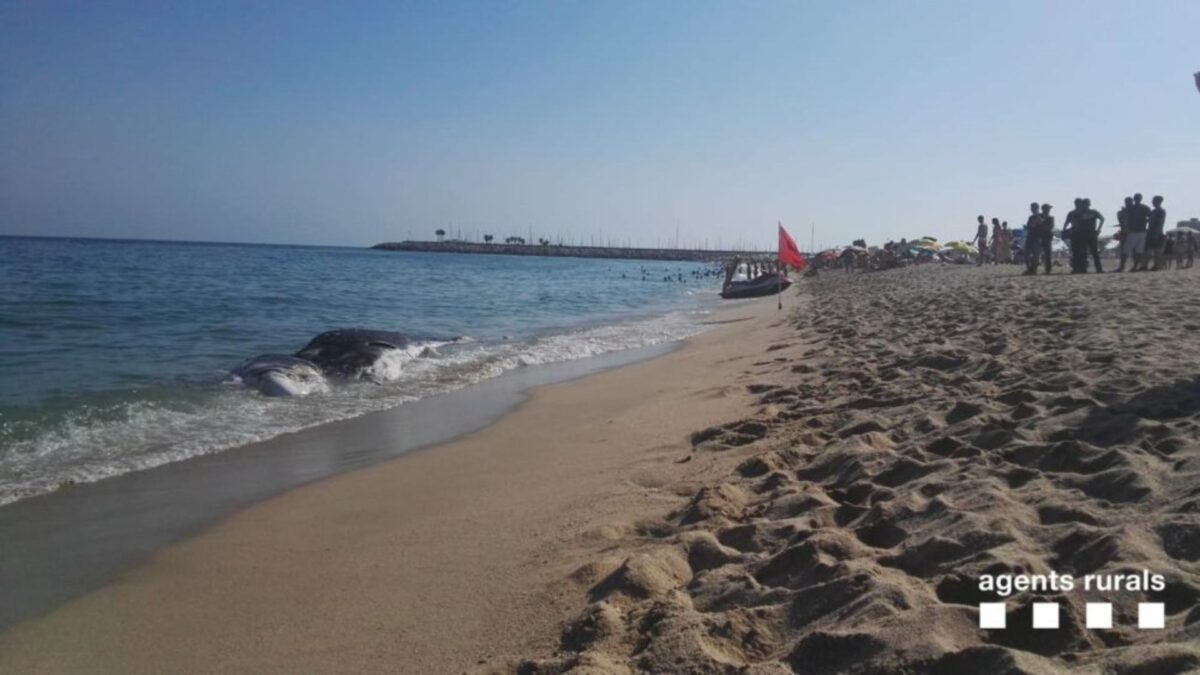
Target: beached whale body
282 375
355 353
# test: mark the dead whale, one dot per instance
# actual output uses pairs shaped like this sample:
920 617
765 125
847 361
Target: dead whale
282 375
355 353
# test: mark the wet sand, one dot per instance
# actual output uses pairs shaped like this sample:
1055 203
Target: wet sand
433 562
62 545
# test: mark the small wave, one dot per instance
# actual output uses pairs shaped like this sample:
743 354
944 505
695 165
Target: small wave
393 363
115 434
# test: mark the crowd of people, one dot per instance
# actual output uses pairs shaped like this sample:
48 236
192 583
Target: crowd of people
1001 245
1140 234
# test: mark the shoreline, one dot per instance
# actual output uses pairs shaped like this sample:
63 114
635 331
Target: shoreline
139 512
111 593
156 378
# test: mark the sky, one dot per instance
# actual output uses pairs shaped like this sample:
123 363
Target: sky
612 122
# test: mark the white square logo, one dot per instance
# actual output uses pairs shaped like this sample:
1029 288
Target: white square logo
1099 615
1151 615
991 615
1045 615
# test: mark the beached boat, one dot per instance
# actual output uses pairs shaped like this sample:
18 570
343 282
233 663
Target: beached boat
767 284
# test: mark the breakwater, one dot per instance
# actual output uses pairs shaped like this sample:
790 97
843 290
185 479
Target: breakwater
557 250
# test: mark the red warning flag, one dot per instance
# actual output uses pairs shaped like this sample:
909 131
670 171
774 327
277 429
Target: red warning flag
789 254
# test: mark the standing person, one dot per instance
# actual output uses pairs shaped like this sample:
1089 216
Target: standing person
980 240
1006 237
997 235
1158 220
1046 235
848 259
1086 237
1032 232
1137 223
1068 229
1123 232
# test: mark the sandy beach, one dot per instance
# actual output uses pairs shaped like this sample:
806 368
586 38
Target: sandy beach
599 338
936 425
475 551
818 490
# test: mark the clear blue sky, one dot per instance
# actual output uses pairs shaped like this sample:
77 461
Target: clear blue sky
352 123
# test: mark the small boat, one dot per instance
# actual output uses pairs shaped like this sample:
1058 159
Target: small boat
767 284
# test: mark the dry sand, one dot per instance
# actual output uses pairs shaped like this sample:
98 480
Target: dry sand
477 550
933 425
818 496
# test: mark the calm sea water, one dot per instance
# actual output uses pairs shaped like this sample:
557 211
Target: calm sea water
116 355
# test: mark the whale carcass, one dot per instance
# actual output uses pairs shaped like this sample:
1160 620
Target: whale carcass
353 353
344 354
282 375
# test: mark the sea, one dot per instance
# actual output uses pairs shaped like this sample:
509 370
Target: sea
118 355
